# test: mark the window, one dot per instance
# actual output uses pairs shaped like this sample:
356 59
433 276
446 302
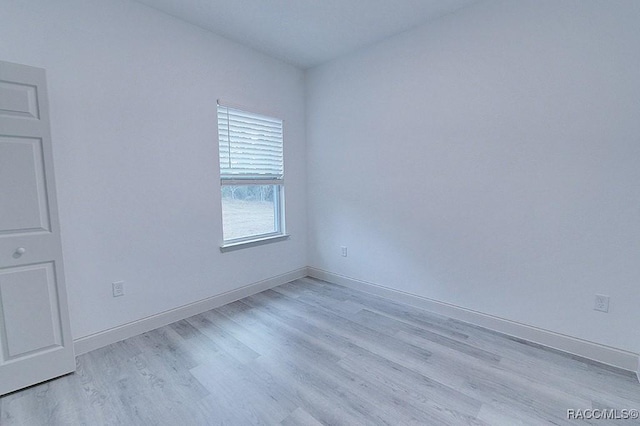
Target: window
251 176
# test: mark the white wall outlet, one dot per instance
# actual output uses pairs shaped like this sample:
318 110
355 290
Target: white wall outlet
118 288
601 303
343 251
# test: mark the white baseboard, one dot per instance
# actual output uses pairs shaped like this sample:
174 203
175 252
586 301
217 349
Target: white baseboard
604 354
116 334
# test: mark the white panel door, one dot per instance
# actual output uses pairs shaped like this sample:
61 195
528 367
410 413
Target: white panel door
35 339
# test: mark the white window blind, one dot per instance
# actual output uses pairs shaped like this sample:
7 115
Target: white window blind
250 146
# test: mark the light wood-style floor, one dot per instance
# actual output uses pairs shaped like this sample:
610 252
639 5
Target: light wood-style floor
309 353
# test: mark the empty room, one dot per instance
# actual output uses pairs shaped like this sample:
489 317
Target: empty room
308 212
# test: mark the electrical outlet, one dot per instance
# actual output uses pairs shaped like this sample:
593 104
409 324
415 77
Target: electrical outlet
601 303
118 288
343 251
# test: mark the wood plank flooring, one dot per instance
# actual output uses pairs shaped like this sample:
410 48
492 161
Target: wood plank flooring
313 353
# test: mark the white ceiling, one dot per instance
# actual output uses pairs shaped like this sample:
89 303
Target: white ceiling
307 32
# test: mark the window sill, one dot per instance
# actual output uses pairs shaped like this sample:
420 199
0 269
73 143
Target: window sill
253 243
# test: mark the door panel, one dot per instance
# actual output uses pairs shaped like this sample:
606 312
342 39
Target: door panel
29 310
19 100
35 336
22 182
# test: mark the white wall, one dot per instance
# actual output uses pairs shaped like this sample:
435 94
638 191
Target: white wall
133 117
489 160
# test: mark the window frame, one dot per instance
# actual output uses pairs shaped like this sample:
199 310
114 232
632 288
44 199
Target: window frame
279 233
